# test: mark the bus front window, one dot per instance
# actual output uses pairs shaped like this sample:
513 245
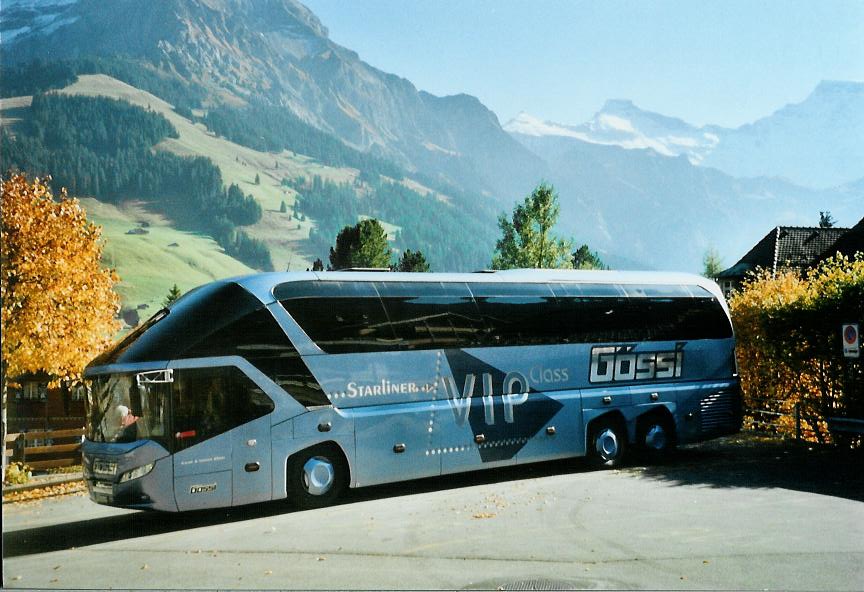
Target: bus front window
120 410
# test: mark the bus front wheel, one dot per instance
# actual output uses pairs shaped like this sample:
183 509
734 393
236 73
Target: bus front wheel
607 443
316 477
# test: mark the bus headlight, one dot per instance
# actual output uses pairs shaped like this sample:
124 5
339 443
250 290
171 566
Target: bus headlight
136 473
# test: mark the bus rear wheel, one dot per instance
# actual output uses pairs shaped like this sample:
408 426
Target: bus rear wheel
656 438
607 444
316 477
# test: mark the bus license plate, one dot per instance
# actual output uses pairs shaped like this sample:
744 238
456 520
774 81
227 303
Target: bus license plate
104 467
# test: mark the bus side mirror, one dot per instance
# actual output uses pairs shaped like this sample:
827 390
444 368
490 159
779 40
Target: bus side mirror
154 377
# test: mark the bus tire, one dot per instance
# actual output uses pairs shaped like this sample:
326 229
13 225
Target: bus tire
655 437
607 443
317 477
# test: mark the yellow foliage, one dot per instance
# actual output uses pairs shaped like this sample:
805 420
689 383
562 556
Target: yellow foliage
788 336
58 303
834 276
17 473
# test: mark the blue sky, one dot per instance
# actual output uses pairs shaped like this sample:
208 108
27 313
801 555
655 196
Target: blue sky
722 62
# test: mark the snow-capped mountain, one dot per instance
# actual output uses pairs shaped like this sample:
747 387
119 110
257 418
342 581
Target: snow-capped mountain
621 123
642 188
817 143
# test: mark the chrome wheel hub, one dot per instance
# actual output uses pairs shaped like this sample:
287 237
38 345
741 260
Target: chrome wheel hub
318 476
656 438
607 444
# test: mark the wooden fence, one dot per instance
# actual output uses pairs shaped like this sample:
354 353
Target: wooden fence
41 450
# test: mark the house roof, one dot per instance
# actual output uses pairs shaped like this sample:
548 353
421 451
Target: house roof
850 243
796 247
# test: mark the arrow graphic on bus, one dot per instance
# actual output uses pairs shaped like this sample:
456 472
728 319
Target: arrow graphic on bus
524 411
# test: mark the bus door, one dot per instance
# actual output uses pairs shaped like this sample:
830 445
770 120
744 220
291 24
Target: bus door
202 472
472 434
218 413
515 424
474 429
394 443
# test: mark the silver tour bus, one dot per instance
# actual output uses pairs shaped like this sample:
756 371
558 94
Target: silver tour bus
298 385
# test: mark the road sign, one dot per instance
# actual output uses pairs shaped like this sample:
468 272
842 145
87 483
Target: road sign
851 338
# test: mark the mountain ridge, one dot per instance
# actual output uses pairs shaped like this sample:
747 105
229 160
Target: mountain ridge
638 204
835 158
278 51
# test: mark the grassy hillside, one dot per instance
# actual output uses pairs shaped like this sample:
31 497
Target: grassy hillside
282 234
155 256
285 236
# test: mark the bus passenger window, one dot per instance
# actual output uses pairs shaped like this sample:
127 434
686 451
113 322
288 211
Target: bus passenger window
344 325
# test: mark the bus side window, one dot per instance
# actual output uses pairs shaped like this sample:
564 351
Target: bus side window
430 315
344 324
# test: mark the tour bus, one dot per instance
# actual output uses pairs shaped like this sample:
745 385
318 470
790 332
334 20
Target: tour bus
298 385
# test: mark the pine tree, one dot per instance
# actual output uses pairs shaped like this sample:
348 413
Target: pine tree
711 263
412 261
362 245
173 294
585 258
527 239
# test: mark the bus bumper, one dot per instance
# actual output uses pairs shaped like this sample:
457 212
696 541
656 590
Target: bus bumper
106 474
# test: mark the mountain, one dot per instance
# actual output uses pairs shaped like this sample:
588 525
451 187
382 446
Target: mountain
817 143
308 126
278 52
665 212
621 123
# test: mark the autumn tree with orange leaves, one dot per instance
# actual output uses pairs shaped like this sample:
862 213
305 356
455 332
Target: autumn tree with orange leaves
58 302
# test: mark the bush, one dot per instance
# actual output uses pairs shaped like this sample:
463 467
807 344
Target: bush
789 349
17 473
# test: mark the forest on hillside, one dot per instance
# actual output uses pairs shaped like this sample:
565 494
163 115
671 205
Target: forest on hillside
103 147
271 128
450 237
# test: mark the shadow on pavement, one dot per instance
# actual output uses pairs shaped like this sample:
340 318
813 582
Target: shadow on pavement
84 533
737 461
750 462
70 535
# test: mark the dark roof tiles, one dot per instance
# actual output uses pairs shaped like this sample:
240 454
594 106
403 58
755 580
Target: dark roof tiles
789 247
850 243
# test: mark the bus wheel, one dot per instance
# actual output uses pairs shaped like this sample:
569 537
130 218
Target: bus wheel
656 438
316 477
607 444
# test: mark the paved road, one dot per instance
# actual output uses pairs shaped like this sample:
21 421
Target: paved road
728 516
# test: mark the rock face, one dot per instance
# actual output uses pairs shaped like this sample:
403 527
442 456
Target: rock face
278 52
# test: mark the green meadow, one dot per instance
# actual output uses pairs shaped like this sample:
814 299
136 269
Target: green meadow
150 255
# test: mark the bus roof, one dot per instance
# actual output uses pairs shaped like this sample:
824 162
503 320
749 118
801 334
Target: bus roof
262 285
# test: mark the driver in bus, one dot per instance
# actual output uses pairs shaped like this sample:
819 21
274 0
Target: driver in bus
128 429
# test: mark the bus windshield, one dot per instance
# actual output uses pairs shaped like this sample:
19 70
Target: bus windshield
120 410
